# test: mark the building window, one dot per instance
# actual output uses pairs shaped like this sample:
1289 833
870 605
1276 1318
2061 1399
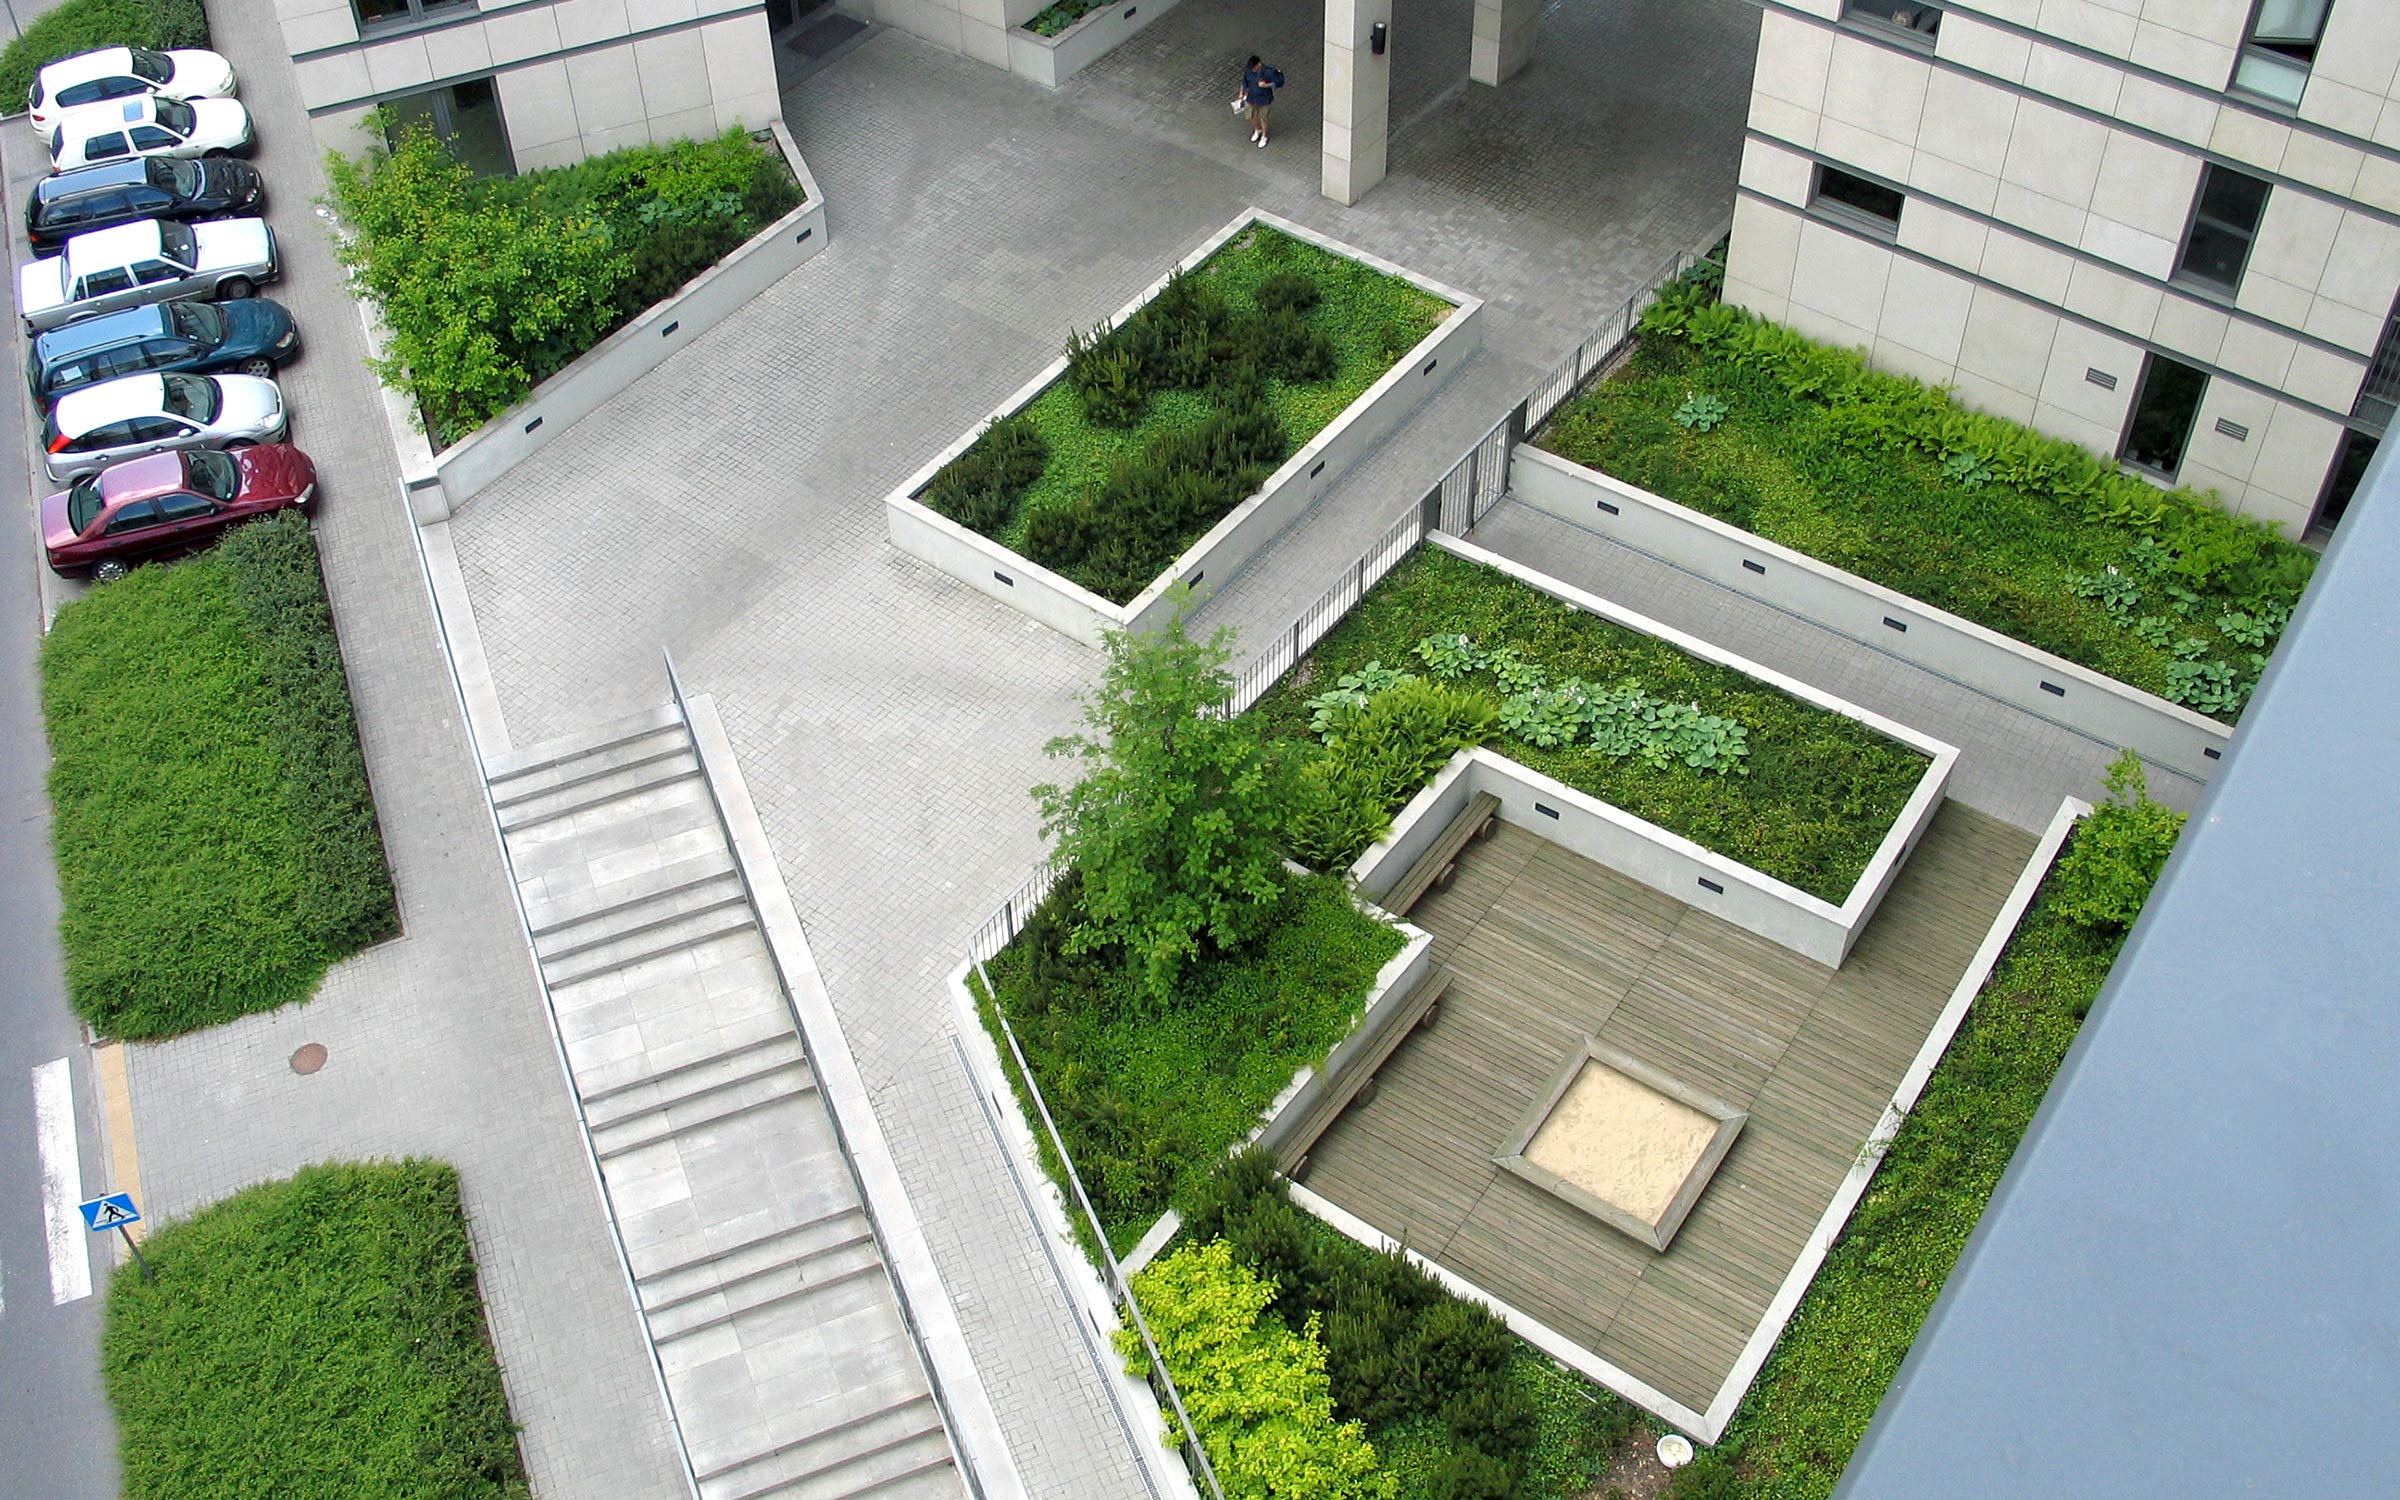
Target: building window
2163 409
2224 222
1915 24
2281 48
467 116
2341 482
1854 200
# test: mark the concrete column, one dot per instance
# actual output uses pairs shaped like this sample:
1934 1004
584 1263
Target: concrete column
1503 39
1358 98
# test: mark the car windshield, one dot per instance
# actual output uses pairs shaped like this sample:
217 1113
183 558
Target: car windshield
175 115
152 65
192 396
197 321
173 174
216 475
176 240
83 502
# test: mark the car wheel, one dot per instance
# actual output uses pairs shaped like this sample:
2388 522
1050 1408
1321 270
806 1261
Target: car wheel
109 571
261 367
235 288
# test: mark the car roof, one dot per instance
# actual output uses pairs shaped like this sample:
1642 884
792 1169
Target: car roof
146 321
124 171
121 245
141 478
109 114
70 71
78 412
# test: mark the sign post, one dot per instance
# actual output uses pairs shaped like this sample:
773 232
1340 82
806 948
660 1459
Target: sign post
115 1211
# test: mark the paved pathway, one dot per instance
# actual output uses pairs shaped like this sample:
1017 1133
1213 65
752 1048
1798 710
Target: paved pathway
729 505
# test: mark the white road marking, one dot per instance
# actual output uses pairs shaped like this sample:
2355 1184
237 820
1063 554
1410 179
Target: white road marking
62 1181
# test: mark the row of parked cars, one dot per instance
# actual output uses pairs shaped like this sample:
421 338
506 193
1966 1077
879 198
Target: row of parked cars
152 355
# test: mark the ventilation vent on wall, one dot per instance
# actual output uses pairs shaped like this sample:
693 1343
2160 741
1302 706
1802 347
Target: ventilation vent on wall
2233 430
2100 378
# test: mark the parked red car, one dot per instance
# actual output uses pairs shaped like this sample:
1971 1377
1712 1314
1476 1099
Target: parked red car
167 503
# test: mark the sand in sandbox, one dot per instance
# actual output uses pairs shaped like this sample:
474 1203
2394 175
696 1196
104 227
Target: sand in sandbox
1623 1142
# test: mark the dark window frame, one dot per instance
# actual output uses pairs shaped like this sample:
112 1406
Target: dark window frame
2134 416
2198 281
413 14
1855 215
1896 19
2329 510
2283 53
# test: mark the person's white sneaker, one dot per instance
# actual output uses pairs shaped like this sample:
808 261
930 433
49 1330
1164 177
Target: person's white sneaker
1253 137
1262 141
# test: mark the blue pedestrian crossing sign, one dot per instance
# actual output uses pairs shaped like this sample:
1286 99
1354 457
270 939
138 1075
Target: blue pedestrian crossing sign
112 1212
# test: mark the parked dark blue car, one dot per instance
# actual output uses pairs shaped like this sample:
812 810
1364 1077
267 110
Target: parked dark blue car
250 336
146 187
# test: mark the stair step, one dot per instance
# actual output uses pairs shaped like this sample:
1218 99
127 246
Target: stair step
773 1084
723 919
641 749
772 1285
685 1082
676 764
836 1460
513 764
624 923
551 915
669 1285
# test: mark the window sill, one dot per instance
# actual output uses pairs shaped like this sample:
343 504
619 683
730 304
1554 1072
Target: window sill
1842 216
396 26
1886 31
2207 291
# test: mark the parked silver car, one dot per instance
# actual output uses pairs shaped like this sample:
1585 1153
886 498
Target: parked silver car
148 126
153 261
92 428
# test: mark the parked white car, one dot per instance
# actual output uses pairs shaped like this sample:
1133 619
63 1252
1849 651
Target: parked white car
148 126
155 260
94 427
124 73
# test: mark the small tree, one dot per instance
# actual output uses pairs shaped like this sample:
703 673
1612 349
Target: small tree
1172 824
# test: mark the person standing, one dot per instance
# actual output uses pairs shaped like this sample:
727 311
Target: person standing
1259 82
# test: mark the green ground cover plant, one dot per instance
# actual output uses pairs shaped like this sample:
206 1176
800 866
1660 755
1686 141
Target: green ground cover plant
1054 19
1162 425
319 1338
1789 789
80 26
216 837
489 286
1796 1431
1749 422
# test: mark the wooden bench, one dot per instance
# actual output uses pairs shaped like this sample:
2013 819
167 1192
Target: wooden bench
1357 1085
1432 872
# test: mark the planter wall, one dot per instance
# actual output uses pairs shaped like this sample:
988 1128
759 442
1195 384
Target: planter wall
1052 60
468 466
1072 609
2017 674
1664 861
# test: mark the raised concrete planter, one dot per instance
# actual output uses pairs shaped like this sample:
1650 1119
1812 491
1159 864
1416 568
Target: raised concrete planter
468 466
1666 862
1052 60
1072 609
2017 674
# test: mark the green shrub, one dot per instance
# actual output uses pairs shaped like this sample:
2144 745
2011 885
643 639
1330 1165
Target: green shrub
79 26
1383 752
1256 1390
980 488
2105 875
216 840
318 1339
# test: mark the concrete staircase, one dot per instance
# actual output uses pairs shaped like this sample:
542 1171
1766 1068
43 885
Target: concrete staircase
787 1362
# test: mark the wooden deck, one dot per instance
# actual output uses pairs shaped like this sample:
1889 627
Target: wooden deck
1546 948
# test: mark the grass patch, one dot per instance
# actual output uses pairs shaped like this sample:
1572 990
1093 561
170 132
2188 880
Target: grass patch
80 26
314 1339
1054 19
1821 790
216 838
1149 1098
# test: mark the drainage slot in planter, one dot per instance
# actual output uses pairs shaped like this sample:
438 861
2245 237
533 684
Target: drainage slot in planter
1319 469
1194 580
1608 506
1545 810
1753 567
1707 884
2054 689
670 328
1004 578
1429 364
2212 752
1129 10
1899 625
536 422
803 235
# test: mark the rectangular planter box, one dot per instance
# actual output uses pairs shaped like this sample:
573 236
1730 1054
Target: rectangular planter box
1052 60
441 482
1666 862
1242 534
2024 676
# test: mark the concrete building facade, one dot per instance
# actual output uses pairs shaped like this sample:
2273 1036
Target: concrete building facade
520 84
2166 229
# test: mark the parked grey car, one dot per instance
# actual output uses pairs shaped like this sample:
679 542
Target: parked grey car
92 428
153 261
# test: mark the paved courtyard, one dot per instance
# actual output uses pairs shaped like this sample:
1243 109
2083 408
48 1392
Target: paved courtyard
889 720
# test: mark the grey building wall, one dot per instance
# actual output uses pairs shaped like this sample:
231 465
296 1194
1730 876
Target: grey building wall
2050 152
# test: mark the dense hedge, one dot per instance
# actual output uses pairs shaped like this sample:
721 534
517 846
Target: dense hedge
1795 1432
1750 423
216 838
1147 1097
1814 792
314 1339
79 26
1165 423
488 286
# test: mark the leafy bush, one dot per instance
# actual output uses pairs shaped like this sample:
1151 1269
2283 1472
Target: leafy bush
1818 791
216 839
318 1338
2106 873
490 286
980 488
79 26
1877 474
1256 1390
1382 752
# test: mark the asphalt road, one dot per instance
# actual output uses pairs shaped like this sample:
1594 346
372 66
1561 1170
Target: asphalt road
57 1439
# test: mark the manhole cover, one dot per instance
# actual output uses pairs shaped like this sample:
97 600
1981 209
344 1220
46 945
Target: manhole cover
309 1058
